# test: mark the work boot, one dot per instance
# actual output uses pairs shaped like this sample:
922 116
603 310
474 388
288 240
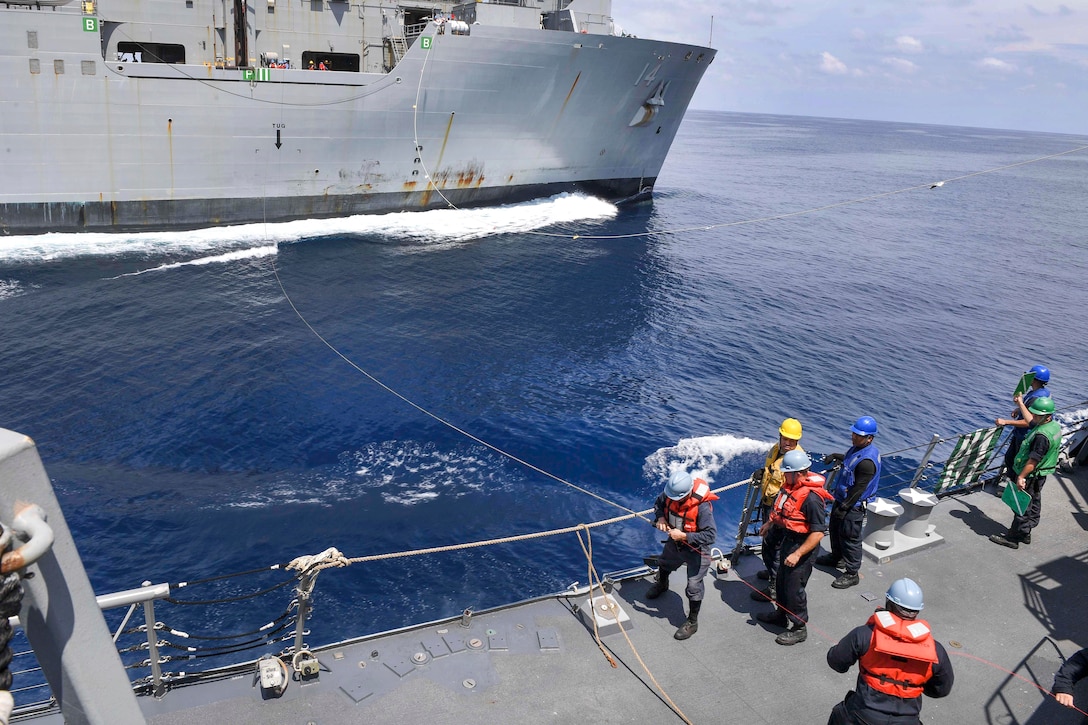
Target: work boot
688 628
1005 541
762 595
1025 539
793 636
777 618
763 574
691 626
660 586
846 581
827 560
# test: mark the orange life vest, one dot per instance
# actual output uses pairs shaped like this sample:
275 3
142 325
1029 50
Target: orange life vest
900 657
787 507
684 514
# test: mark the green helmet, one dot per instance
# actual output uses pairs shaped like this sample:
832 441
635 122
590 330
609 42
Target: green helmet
1042 406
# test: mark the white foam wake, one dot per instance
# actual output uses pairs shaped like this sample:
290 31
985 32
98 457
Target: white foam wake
1072 418
253 253
401 472
702 457
12 288
441 226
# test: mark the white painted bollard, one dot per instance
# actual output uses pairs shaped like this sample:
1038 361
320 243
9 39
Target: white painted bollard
917 506
880 523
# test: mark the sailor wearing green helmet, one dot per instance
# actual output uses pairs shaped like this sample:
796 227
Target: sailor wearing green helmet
1036 459
1039 376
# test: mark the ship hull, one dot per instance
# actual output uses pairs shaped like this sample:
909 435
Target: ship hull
497 116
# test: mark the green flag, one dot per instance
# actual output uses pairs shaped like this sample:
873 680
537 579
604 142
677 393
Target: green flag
1024 385
1016 499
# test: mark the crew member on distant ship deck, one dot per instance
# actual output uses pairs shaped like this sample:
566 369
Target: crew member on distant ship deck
854 489
684 511
770 478
792 532
898 661
1018 422
1036 459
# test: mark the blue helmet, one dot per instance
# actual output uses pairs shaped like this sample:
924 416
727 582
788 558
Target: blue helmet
907 594
865 426
679 485
795 460
1042 374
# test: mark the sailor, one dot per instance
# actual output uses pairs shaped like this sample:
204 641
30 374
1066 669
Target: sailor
1019 422
855 488
1073 671
684 511
1036 459
770 477
793 531
898 661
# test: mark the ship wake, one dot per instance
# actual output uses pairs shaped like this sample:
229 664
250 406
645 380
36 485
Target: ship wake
417 231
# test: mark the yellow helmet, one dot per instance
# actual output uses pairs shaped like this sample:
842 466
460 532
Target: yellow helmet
790 428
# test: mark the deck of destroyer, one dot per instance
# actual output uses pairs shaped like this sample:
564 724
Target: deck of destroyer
1006 617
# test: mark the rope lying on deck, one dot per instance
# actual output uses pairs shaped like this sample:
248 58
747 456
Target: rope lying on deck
595 582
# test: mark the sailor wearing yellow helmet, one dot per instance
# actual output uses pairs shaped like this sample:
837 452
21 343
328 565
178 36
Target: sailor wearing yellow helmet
770 477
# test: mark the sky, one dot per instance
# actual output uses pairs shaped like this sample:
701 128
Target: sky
1008 64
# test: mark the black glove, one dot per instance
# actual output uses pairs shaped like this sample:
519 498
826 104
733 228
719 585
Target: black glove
757 475
836 457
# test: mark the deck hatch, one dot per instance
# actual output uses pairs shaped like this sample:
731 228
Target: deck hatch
455 644
435 646
548 639
358 693
402 667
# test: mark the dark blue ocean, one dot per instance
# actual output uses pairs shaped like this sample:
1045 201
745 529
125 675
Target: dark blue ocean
194 424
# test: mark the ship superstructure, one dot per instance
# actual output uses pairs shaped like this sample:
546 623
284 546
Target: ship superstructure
155 114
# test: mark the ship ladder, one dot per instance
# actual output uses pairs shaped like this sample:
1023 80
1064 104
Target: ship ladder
753 496
398 46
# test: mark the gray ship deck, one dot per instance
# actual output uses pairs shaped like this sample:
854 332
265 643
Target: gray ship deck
537 662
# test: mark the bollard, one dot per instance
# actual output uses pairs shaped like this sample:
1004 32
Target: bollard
917 506
880 523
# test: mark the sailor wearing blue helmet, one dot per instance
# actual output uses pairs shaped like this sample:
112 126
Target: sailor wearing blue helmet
684 511
855 488
898 661
1021 418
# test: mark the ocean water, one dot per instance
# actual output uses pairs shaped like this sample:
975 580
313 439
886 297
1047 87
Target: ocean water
218 401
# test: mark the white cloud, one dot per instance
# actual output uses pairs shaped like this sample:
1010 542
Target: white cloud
902 65
831 64
996 64
907 44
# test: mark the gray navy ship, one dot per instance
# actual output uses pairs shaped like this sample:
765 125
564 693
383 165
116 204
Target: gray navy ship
149 114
